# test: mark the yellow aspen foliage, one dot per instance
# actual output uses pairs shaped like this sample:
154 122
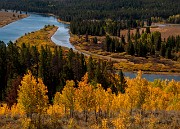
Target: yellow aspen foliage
175 103
4 109
85 95
55 110
99 97
68 96
136 91
67 99
173 87
59 103
108 102
163 97
104 124
57 99
119 102
16 110
32 95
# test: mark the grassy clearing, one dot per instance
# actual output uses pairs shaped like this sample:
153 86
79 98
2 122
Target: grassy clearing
9 17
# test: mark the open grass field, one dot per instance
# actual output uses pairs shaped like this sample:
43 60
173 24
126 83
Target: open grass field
9 17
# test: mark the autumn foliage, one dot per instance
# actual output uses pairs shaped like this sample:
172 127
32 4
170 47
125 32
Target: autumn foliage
143 104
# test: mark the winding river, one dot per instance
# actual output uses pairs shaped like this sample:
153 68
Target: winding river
35 22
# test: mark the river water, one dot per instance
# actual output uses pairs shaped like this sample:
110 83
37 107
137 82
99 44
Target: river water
35 22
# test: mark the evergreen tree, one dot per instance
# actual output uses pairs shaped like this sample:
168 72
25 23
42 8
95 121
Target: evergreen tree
130 48
148 30
122 85
90 69
163 50
108 43
168 53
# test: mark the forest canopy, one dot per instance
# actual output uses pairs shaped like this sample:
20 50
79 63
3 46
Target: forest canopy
69 10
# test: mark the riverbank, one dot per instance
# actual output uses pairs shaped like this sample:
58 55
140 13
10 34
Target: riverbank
9 17
126 62
58 19
64 22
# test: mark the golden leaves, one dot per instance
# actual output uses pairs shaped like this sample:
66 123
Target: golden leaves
32 95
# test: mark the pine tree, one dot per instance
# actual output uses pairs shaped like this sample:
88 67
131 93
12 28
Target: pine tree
168 53
122 85
148 30
130 48
163 50
108 43
90 69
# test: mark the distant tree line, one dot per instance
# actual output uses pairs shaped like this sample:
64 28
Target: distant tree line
103 27
69 10
54 66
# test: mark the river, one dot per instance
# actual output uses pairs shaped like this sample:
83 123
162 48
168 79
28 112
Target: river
34 22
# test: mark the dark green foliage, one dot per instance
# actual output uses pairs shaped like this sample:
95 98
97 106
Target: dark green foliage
156 39
88 27
90 68
122 85
3 69
149 22
168 53
152 52
148 30
163 49
69 10
108 43
99 27
130 48
53 67
145 44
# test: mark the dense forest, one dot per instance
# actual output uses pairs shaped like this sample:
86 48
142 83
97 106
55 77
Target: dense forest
53 66
104 27
69 10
